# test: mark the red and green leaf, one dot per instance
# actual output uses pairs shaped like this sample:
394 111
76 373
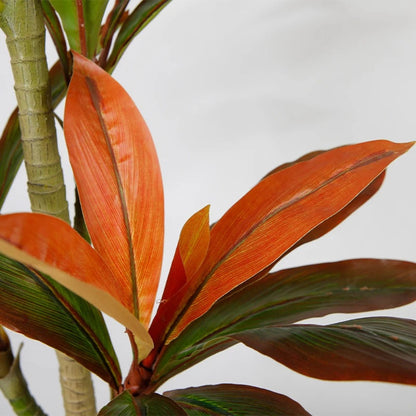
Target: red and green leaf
286 297
378 349
234 400
51 246
137 20
119 183
35 305
82 22
276 214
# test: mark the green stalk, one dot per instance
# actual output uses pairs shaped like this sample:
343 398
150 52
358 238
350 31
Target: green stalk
22 22
12 382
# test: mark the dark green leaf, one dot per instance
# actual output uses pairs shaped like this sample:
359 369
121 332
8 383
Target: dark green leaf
145 405
235 400
123 405
286 297
379 349
157 405
11 154
38 307
136 21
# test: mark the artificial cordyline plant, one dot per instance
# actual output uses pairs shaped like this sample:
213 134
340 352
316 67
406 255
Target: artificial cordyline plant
221 288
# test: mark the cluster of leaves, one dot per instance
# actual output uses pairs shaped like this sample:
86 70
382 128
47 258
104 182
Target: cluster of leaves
220 289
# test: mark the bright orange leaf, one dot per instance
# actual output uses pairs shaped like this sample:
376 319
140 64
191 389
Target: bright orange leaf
276 214
190 253
51 246
119 182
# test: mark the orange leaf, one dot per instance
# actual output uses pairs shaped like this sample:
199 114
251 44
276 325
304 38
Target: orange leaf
190 253
119 182
277 213
51 246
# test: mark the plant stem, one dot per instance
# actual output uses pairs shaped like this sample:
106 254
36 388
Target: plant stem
22 21
12 382
77 388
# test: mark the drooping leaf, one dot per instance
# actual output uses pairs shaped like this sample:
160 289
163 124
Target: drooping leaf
51 246
82 23
119 182
34 305
190 253
379 349
286 297
277 213
134 24
235 400
11 154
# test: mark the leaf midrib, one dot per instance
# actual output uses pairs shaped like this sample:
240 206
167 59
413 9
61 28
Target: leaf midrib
366 161
95 97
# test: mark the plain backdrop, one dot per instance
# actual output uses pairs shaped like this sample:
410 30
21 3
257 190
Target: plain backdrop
232 88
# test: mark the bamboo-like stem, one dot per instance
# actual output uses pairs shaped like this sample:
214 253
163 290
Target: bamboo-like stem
77 388
22 21
13 384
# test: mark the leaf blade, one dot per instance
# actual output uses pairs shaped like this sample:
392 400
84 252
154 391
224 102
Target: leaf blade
377 349
123 203
134 24
190 253
33 305
51 246
292 201
81 22
286 297
235 400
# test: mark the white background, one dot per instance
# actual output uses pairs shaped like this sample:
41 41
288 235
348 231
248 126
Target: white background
231 89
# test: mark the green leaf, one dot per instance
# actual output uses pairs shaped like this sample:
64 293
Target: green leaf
35 305
55 30
235 400
82 23
378 349
11 154
123 405
286 297
157 405
134 24
145 405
